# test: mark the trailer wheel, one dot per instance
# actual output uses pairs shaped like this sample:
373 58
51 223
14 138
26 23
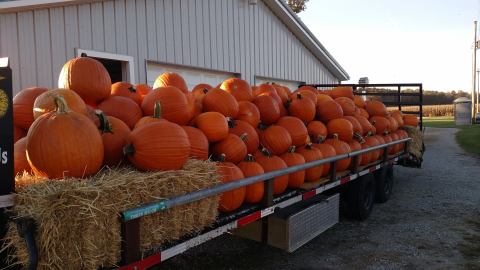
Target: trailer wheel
384 184
361 197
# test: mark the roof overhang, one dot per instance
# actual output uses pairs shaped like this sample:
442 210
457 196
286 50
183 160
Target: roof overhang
23 5
301 31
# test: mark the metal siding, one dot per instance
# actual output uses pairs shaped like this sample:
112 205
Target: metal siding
227 35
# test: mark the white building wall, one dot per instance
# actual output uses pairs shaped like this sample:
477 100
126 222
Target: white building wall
224 35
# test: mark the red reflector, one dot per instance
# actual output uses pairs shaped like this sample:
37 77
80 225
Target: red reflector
249 219
143 264
309 194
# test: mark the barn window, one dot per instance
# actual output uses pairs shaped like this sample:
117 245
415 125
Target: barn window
120 67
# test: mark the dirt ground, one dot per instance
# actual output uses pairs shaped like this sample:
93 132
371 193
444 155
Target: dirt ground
432 221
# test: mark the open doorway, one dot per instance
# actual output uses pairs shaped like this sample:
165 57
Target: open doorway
120 67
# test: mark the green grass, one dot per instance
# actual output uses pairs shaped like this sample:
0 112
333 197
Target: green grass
469 138
441 122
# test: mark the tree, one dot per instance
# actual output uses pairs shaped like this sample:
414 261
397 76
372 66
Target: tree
297 5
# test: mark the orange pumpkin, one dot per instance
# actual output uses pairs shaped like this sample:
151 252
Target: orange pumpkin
388 139
199 92
269 109
271 163
281 92
366 157
268 90
342 91
248 112
359 102
233 199
122 108
318 131
64 143
240 89
357 127
322 97
312 96
340 128
367 127
143 90
232 147
398 115
355 146
393 124
310 154
18 133
254 192
410 120
239 127
156 117
114 136
307 88
396 148
196 107
198 143
45 103
371 142
23 106
347 105
174 104
302 108
328 110
276 139
363 112
402 134
217 100
296 179
381 124
327 151
158 146
171 79
86 76
296 128
376 108
213 124
380 142
20 162
340 147
125 89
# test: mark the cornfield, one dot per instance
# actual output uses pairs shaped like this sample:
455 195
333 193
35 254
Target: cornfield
429 110
3 103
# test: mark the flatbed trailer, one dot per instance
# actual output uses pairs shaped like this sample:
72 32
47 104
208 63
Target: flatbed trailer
360 184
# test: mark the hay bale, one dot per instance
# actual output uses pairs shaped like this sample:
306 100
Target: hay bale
78 220
415 147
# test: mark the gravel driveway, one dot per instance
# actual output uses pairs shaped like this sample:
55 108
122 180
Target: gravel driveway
432 221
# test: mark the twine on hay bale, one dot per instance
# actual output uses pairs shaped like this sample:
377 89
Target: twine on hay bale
415 147
78 220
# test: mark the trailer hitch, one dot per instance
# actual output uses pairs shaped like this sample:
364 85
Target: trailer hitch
27 229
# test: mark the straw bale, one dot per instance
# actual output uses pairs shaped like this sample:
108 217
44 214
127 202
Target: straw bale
78 220
415 147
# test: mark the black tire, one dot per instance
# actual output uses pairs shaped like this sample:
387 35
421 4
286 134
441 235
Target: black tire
361 197
384 184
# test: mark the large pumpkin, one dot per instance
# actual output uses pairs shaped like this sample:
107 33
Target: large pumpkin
217 100
296 128
232 147
340 128
86 76
20 162
122 108
45 102
296 179
410 120
156 117
213 124
393 124
233 199
171 79
372 141
198 143
357 127
367 127
125 89
249 167
381 124
359 102
366 157
143 89
64 143
269 109
312 96
282 92
18 133
355 146
318 131
342 91
302 107
322 97
272 163
268 90
199 93
327 151
239 88
376 108
329 110
310 154
341 147
248 112
114 136
398 115
276 139
201 87
347 105
158 146
23 106
239 127
174 103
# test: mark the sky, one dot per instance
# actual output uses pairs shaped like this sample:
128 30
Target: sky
407 41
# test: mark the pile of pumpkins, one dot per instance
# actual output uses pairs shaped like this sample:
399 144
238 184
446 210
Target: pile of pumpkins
88 123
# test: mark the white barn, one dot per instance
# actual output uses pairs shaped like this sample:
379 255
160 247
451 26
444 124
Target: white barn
204 40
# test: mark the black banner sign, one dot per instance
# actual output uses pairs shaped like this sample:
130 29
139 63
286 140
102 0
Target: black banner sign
7 181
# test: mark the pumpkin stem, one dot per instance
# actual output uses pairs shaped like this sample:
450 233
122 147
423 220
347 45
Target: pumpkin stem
335 136
358 137
292 149
265 152
221 158
320 139
244 137
231 122
105 125
132 89
205 90
249 158
309 146
61 104
128 150
262 126
299 96
287 103
157 110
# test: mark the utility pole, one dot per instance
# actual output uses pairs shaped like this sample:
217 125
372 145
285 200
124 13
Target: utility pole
474 80
478 90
